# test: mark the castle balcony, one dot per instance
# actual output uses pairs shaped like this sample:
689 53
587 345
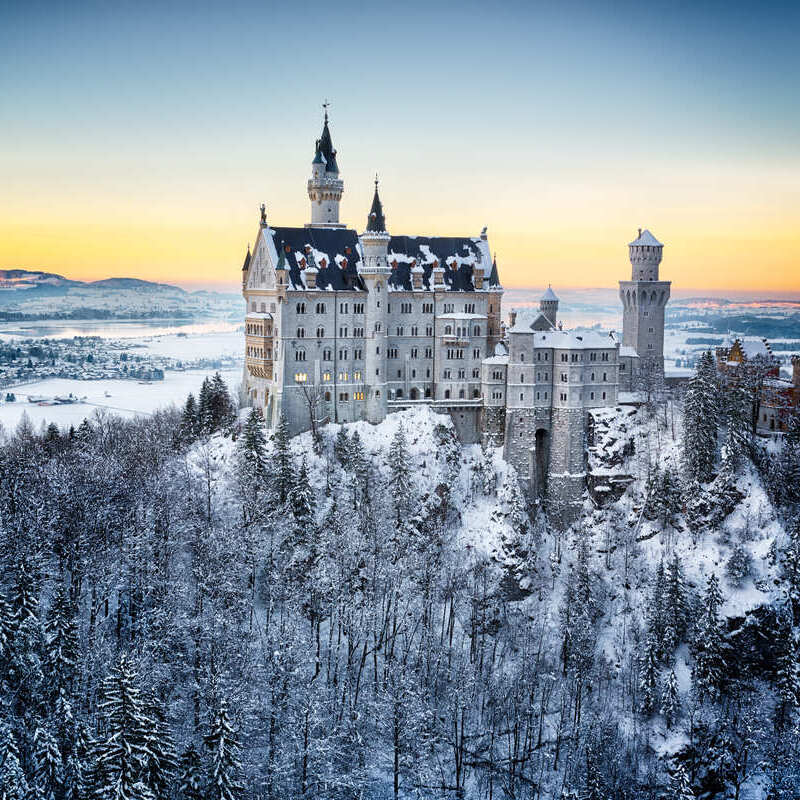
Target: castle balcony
259 367
456 339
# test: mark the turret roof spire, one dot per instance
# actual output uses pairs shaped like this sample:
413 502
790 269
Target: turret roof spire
376 222
325 146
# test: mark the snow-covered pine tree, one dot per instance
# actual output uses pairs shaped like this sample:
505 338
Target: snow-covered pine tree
656 616
191 781
48 767
24 594
253 445
359 466
400 474
648 682
708 662
121 752
485 475
190 424
13 783
222 410
205 423
790 568
62 641
341 448
700 421
302 503
670 699
787 675
739 564
676 609
284 471
159 766
6 627
681 785
224 782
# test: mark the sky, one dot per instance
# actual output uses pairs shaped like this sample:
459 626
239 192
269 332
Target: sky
139 139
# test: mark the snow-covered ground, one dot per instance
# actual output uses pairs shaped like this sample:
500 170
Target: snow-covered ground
127 397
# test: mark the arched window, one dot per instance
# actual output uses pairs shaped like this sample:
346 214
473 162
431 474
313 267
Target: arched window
398 394
327 397
414 394
427 393
476 392
461 394
446 394
320 333
448 330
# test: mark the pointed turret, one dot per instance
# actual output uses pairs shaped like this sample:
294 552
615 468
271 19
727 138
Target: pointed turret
325 187
494 276
376 221
246 264
548 305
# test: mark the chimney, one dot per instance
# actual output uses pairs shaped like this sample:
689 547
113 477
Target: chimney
417 273
477 276
310 274
438 276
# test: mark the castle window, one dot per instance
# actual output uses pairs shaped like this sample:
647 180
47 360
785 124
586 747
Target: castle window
428 352
342 308
399 393
521 397
377 393
605 376
446 394
476 352
377 327
429 330
326 377
545 395
327 355
343 396
537 395
605 357
604 395
414 330
343 355
377 351
342 331
446 374
448 308
320 333
564 377
320 308
469 308
301 333
427 308
448 330
461 394
343 377
645 313
358 308
358 332
591 395
388 308
477 331
392 352
301 308
522 356
592 356
651 330
564 357
300 377
405 308
563 397
622 367
522 377
476 373
399 330
593 376
650 346
428 392
461 374
414 352
538 356
327 397
299 355
358 355
547 356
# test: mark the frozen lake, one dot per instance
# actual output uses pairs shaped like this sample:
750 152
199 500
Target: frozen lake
127 397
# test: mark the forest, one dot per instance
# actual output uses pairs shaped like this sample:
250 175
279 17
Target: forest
195 607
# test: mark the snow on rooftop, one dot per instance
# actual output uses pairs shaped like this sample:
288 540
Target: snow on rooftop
645 239
549 294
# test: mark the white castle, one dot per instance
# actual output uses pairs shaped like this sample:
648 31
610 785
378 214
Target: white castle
343 327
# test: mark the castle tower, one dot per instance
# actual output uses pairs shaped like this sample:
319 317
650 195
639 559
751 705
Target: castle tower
644 298
548 305
375 272
325 188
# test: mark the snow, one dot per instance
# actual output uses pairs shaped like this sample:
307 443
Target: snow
645 239
550 295
626 351
128 397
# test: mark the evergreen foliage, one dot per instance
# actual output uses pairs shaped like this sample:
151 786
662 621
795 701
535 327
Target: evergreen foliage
701 408
224 781
708 661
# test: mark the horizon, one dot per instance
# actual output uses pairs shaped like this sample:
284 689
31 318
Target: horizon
170 135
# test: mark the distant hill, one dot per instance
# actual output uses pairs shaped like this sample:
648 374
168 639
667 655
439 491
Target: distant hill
35 294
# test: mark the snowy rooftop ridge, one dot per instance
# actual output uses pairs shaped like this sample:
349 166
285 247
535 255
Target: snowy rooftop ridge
645 239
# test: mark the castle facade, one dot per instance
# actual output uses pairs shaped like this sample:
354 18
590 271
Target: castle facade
342 326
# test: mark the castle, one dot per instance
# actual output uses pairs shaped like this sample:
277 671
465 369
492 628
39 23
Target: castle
344 327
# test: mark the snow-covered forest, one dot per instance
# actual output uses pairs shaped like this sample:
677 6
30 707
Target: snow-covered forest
194 607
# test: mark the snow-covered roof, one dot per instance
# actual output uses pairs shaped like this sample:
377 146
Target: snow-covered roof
496 360
549 294
626 351
570 340
258 315
461 315
645 239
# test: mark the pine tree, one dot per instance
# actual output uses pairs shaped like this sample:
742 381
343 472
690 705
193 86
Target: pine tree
648 682
681 786
205 421
190 785
13 784
670 699
359 466
254 445
160 764
121 754
190 424
400 474
302 503
48 766
708 663
62 641
787 676
676 613
225 775
24 597
284 474
700 421
6 627
341 448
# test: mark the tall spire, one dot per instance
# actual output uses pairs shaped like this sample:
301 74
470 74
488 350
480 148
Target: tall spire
376 222
324 146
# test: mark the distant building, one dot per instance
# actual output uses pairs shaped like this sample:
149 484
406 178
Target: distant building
749 362
347 326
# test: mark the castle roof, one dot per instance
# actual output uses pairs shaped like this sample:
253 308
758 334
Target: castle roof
494 277
376 221
246 264
333 252
325 149
645 239
550 295
456 255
